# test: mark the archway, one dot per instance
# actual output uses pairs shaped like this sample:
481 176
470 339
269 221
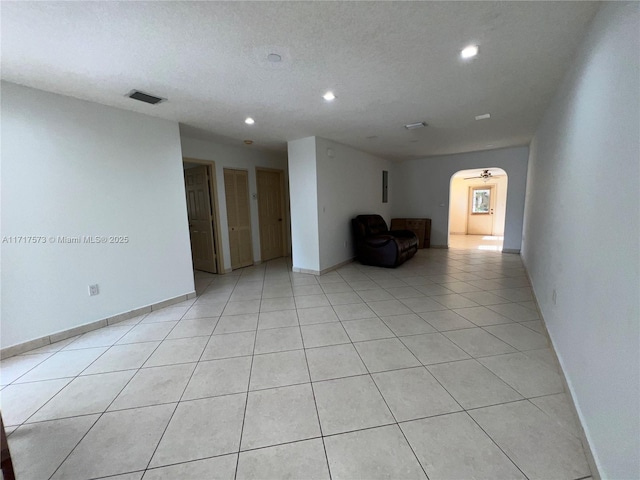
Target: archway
477 208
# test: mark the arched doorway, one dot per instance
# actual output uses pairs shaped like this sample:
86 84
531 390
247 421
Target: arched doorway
477 207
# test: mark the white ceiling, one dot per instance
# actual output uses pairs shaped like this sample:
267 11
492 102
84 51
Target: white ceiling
389 64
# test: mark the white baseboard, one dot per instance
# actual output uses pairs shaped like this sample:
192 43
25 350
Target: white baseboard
323 271
87 327
439 246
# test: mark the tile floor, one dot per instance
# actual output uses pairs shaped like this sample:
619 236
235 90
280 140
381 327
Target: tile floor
439 369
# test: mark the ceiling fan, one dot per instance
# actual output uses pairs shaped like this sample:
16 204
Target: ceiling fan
485 175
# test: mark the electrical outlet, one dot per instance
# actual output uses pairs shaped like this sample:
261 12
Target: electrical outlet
554 296
93 290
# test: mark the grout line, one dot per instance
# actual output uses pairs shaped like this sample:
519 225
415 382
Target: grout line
246 398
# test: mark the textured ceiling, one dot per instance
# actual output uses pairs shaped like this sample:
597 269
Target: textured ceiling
389 63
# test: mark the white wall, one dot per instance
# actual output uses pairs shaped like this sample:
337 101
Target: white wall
460 203
243 158
349 184
71 167
331 184
303 189
581 234
422 189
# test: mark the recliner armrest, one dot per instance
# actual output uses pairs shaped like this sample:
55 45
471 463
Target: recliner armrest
378 240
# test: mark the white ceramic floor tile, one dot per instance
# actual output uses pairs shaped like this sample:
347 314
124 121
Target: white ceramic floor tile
377 453
422 304
102 337
168 314
367 329
304 290
310 301
183 350
453 447
279 369
473 385
348 404
38 449
149 332
278 340
546 356
375 294
205 310
323 334
534 442
229 345
354 311
219 377
515 312
387 308
84 395
337 287
277 304
63 364
241 307
314 315
13 368
558 407
482 316
151 386
527 376
433 348
518 336
385 354
216 468
280 415
454 300
236 323
21 400
122 357
305 459
334 362
413 393
200 429
478 343
445 320
343 298
484 298
129 437
409 324
277 319
201 327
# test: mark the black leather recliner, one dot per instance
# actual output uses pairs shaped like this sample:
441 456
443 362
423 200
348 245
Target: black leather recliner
376 245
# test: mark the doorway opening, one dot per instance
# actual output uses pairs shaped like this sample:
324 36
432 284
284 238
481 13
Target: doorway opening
202 214
477 208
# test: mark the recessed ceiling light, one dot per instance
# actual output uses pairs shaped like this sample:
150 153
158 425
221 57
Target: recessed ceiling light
274 58
413 126
484 116
248 142
249 121
469 51
329 96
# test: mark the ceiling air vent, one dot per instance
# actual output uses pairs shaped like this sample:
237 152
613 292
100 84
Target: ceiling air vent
144 97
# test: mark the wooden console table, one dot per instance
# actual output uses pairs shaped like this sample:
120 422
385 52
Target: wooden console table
420 226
